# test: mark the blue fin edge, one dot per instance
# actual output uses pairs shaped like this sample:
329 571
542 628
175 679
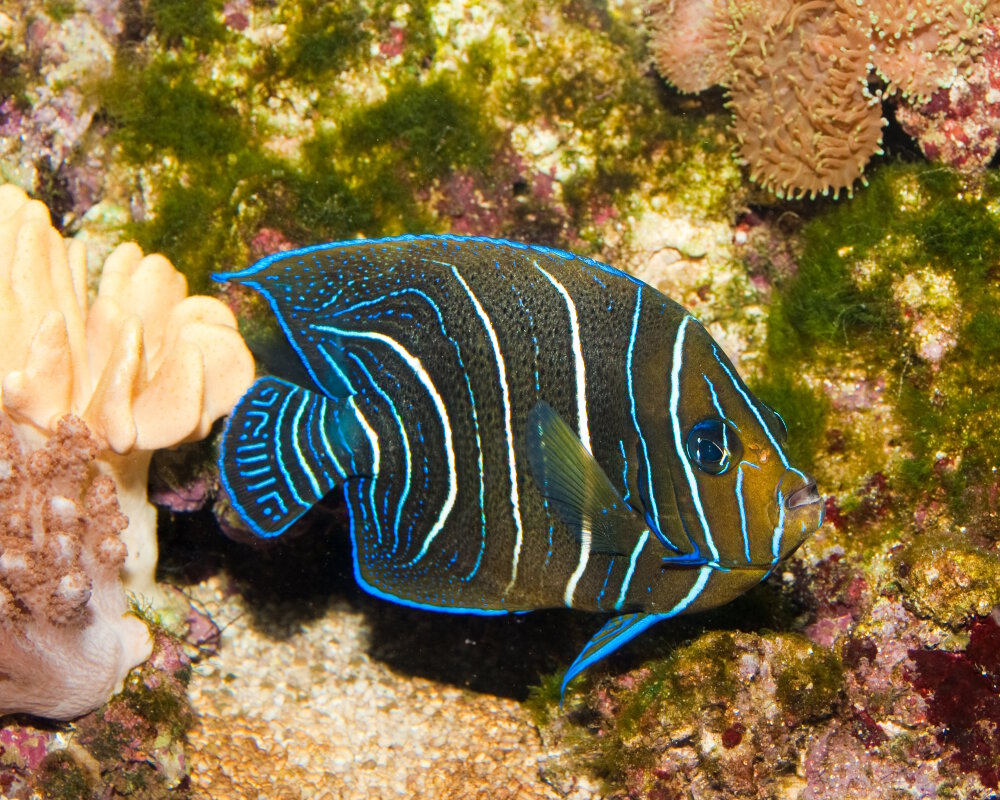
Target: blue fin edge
251 449
417 237
616 632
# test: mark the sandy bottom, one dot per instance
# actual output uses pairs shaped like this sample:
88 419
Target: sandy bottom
296 709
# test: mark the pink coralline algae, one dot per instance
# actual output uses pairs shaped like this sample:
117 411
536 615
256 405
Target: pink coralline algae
960 125
839 766
67 639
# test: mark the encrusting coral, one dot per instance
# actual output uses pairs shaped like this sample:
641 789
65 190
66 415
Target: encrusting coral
66 637
799 73
145 366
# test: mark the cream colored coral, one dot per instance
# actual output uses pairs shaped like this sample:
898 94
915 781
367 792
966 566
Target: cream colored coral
67 639
145 366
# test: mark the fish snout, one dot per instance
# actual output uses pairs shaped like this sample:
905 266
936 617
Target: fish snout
800 511
805 495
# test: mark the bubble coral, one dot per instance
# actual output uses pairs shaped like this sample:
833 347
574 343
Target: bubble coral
145 366
66 637
798 73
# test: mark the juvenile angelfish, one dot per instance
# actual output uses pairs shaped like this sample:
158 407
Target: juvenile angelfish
514 427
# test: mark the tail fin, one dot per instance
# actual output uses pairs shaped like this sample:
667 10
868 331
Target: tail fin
282 450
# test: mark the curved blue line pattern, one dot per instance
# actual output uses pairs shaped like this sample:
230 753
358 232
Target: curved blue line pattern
427 357
270 465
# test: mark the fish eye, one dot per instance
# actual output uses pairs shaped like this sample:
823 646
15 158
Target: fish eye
713 446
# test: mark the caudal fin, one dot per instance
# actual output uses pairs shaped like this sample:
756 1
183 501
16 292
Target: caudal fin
282 451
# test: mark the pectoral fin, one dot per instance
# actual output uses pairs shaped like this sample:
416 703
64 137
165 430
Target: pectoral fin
574 483
616 632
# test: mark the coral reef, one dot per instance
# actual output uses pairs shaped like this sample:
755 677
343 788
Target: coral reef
145 366
217 133
798 76
959 125
67 639
727 711
883 313
134 746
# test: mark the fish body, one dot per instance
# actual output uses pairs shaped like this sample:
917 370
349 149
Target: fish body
514 427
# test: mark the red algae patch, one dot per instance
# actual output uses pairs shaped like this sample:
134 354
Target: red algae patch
963 696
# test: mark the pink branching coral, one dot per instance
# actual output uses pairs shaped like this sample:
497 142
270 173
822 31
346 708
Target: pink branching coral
66 637
800 73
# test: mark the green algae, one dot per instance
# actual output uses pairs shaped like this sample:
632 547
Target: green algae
161 109
948 582
186 23
198 115
13 76
61 777
700 690
803 410
59 10
810 681
221 182
849 303
632 137
545 698
160 705
324 38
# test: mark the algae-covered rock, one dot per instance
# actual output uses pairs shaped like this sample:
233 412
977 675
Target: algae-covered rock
881 324
949 582
727 710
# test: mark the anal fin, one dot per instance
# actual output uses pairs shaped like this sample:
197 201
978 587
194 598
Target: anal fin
282 451
616 632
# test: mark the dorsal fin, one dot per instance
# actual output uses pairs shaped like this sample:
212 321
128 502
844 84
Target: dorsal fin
579 490
282 450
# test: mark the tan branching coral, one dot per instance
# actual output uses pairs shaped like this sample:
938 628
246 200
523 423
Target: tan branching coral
66 637
145 366
799 71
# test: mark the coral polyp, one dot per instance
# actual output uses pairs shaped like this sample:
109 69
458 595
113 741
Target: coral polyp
802 112
804 77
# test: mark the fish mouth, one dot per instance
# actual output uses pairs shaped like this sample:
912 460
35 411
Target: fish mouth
805 495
